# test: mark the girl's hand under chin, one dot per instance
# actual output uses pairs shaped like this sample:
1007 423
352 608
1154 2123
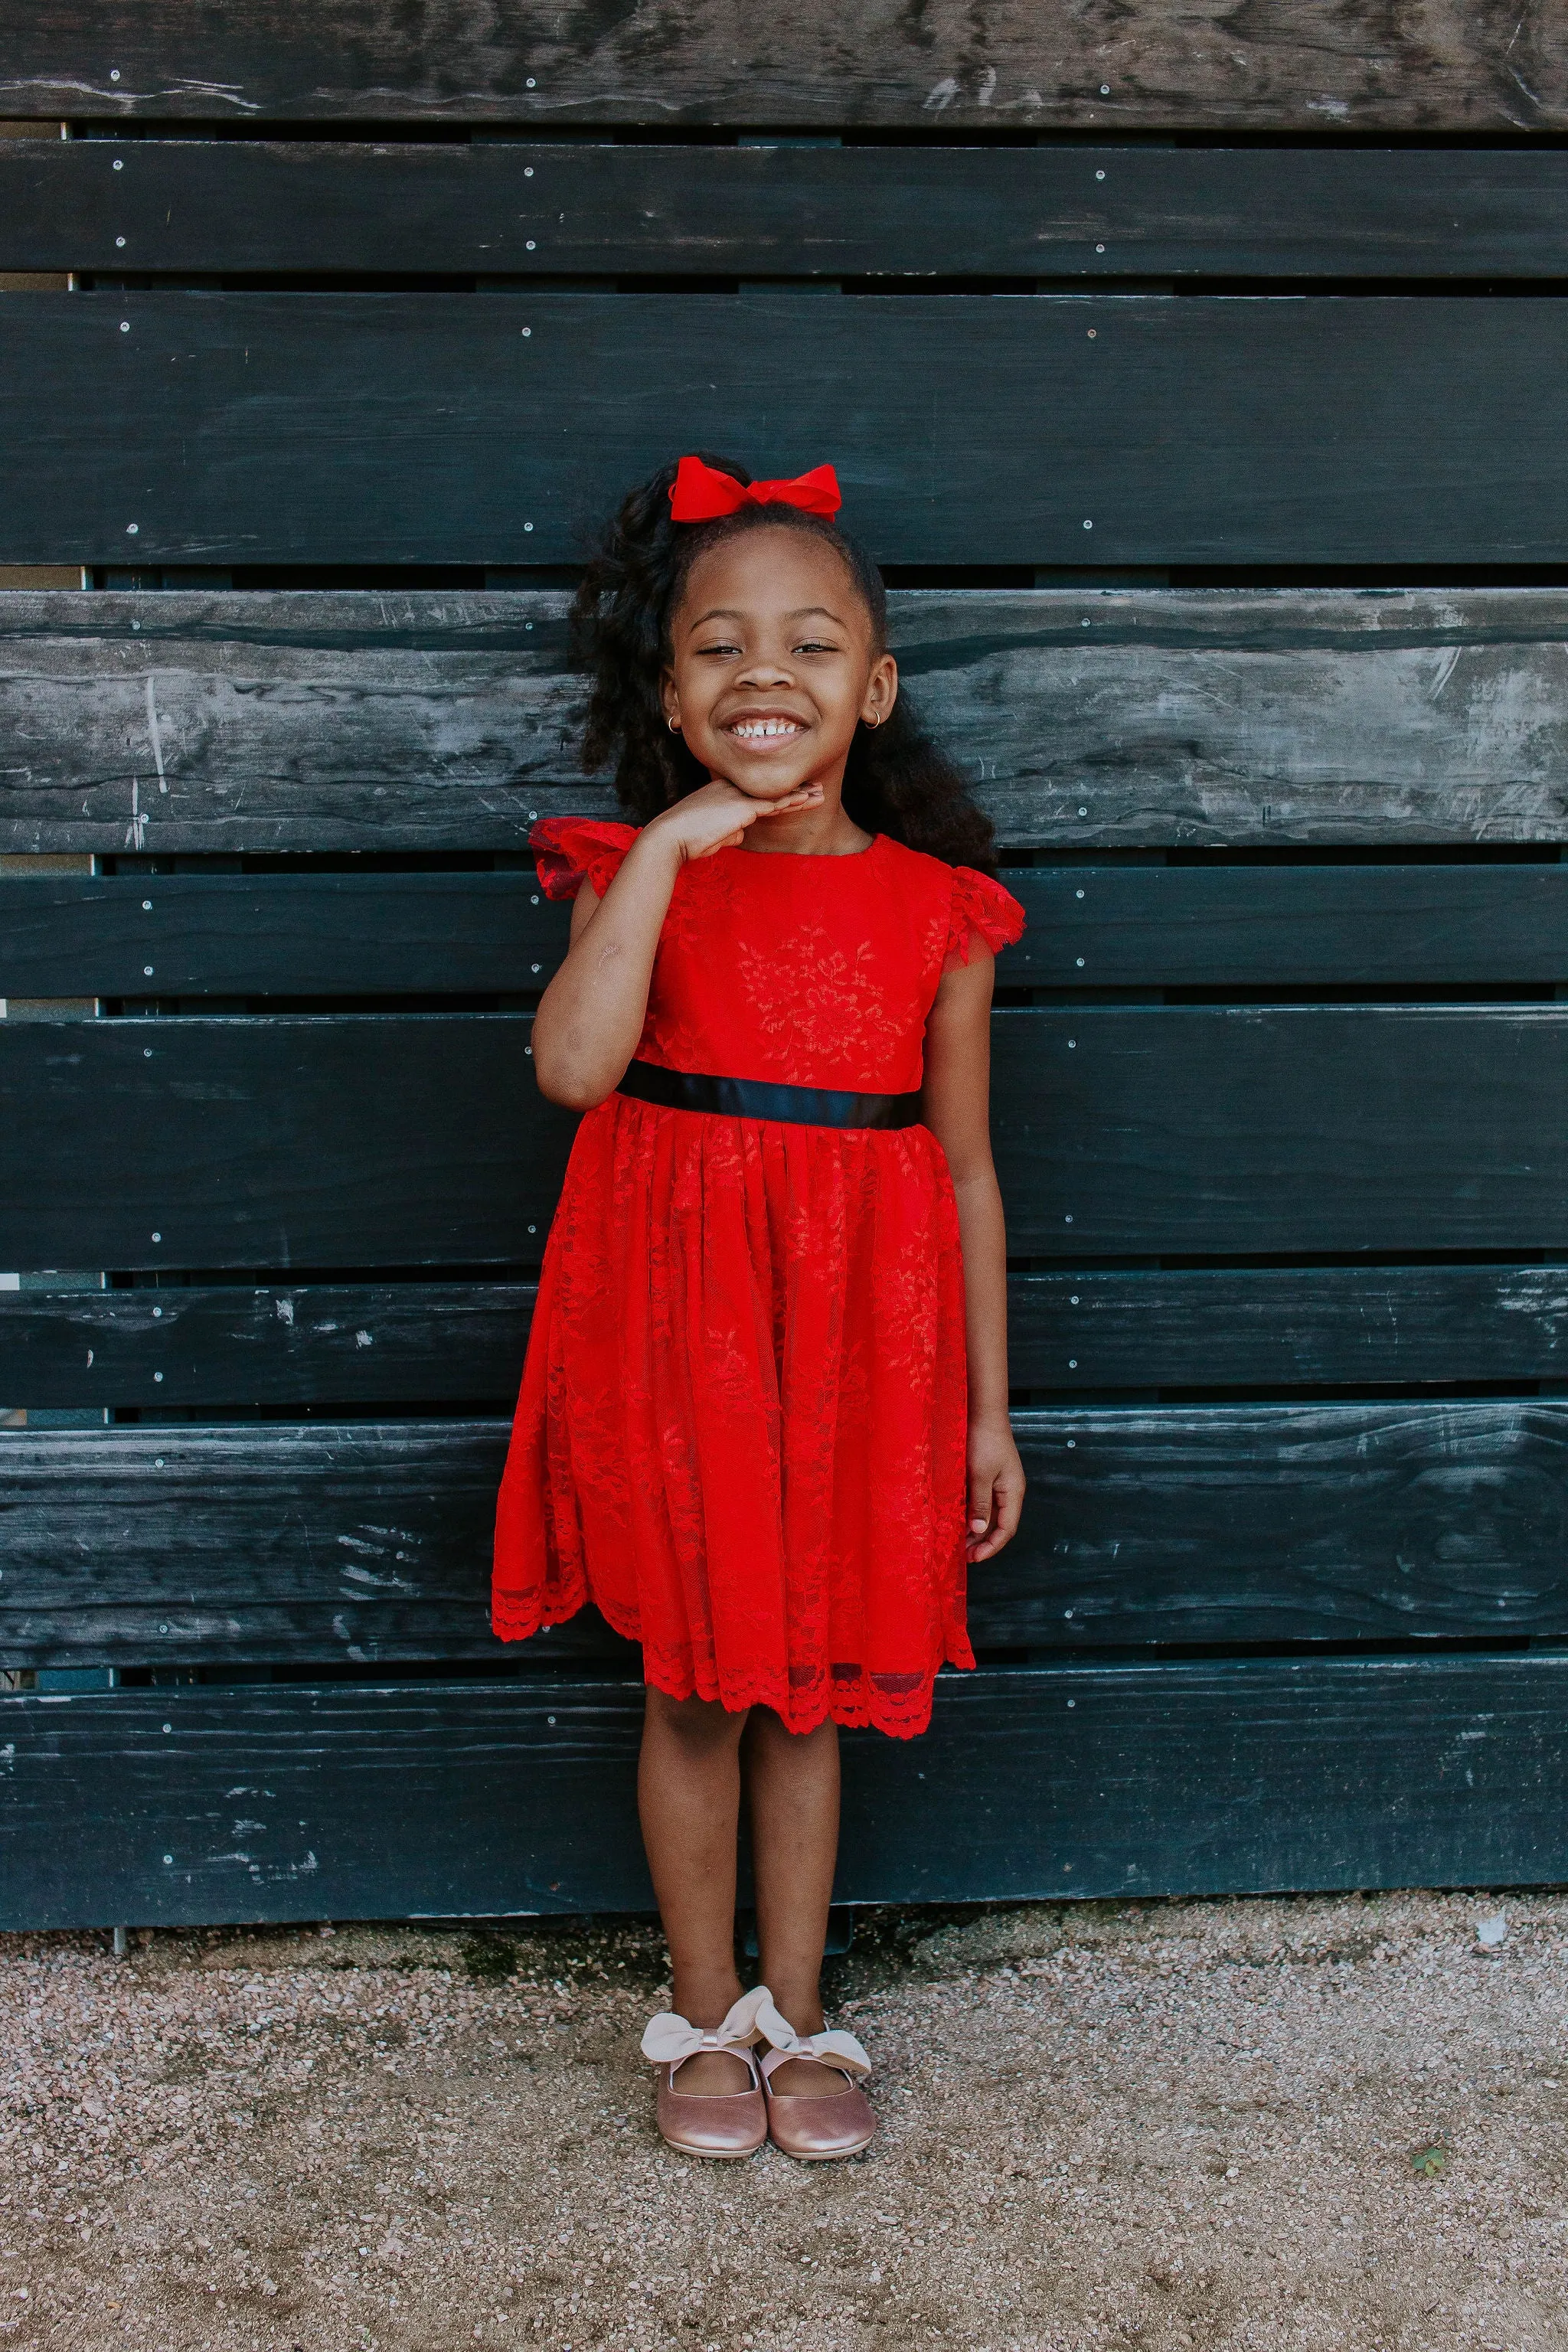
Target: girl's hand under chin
717 816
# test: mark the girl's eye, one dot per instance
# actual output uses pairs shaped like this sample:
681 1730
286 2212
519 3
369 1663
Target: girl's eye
731 651
815 646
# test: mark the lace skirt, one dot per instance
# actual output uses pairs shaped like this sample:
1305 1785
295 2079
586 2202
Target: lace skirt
743 1422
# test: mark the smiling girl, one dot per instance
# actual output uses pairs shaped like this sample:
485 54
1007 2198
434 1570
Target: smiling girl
763 1418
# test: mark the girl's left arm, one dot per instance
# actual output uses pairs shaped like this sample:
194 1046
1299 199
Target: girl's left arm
957 1103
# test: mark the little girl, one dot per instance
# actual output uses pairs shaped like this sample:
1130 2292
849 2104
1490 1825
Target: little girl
763 1419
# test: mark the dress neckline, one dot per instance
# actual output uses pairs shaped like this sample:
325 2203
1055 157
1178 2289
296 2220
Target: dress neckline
812 857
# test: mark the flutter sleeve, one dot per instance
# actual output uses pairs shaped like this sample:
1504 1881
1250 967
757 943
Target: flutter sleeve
981 909
571 850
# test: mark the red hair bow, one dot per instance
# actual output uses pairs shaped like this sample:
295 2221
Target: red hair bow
699 492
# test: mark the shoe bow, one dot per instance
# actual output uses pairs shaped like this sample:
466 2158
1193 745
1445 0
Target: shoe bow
668 2039
832 2048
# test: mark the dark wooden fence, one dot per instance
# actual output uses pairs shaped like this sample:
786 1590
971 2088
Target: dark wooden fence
1224 495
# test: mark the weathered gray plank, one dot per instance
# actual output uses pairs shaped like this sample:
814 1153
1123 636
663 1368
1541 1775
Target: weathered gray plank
216 1347
416 428
196 1806
445 719
1324 65
548 209
1177 1524
220 1346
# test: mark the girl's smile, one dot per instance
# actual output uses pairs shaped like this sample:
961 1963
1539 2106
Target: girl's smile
776 727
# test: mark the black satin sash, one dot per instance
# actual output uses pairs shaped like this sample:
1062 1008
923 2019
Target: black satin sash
759 1098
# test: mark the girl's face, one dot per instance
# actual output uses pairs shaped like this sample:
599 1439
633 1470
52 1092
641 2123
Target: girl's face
774 666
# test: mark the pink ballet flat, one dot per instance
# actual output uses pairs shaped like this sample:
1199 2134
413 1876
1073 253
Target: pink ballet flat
726 2125
818 2128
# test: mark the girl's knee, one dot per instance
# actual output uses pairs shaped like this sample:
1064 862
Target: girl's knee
696 1723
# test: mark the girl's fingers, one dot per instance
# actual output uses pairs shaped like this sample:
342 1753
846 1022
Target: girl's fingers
1003 1507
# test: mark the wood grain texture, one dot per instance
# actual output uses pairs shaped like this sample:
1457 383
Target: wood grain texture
404 1139
367 1541
498 429
170 1807
301 934
448 720
1314 64
223 1345
552 209
218 1347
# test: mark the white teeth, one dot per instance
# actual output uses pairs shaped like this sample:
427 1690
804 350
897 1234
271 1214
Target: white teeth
757 730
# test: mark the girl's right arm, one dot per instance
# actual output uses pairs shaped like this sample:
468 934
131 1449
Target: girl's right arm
590 1018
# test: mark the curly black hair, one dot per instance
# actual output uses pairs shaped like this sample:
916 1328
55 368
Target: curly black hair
897 780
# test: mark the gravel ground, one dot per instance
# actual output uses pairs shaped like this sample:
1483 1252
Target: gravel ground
1304 2122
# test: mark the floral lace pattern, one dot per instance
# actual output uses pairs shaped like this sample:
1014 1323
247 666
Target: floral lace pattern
742 1427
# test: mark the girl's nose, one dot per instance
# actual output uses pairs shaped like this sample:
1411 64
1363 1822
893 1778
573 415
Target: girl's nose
763 669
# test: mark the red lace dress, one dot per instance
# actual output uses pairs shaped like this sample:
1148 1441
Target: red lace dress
742 1430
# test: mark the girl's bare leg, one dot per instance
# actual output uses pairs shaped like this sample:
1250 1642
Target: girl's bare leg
792 1784
688 1797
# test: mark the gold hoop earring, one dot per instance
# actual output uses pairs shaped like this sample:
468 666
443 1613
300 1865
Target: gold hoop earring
872 719
674 725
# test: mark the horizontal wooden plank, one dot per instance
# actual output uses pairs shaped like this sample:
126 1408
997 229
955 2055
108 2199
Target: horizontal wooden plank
1266 1326
185 1807
361 1140
371 1542
216 1347
221 1346
1332 65
322 934
277 934
442 720
498 429
1328 927
1272 1130
415 1139
553 209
